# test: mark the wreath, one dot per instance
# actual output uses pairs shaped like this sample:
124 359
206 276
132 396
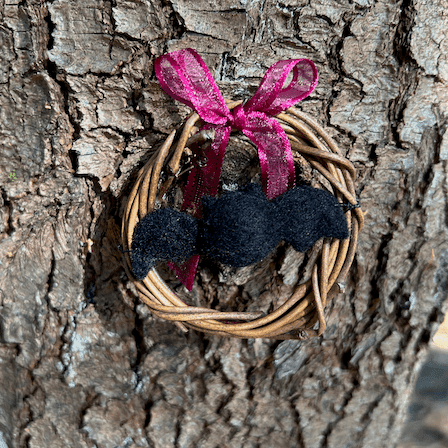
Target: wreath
241 227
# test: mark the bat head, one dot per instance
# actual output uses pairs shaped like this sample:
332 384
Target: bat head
237 229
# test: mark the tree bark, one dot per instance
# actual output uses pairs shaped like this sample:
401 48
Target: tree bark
83 362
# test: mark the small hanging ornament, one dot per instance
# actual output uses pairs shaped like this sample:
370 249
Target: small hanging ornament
241 227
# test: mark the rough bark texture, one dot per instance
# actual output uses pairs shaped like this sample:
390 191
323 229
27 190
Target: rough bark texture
427 425
83 363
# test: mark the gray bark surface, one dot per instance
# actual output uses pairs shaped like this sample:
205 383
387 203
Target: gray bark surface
82 362
427 421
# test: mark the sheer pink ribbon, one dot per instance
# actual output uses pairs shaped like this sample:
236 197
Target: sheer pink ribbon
184 76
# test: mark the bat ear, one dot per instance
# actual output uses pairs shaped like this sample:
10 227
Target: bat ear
163 235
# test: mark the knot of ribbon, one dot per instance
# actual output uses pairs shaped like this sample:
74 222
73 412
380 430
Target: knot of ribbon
239 120
184 76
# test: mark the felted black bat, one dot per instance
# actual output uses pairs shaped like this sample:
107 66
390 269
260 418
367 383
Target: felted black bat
239 228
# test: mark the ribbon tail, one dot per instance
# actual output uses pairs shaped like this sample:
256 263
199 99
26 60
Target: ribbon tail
274 151
203 180
186 272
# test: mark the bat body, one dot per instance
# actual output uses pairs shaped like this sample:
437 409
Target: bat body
239 228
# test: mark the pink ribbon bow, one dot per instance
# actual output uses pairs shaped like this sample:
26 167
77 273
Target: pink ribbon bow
184 76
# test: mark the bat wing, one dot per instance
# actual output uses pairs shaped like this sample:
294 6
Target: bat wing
309 214
163 235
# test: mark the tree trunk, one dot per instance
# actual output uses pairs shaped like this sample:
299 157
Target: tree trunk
83 362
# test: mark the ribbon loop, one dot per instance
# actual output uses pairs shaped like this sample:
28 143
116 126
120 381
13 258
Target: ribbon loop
184 76
272 97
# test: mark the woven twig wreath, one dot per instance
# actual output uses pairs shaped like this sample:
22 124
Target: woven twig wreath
297 316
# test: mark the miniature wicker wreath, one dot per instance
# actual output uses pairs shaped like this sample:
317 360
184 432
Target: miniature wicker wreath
296 317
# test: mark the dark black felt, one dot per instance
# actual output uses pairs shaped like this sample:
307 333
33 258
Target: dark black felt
239 228
309 214
163 235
